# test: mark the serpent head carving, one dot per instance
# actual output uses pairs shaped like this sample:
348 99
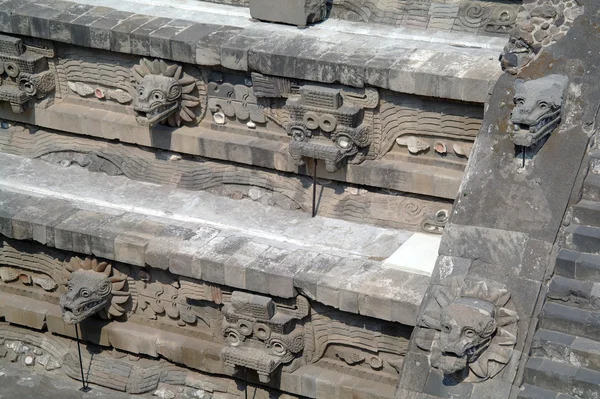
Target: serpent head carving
93 288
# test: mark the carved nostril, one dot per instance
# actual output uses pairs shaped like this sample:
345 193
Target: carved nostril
67 309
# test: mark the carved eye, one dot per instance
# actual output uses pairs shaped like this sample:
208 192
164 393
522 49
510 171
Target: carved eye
469 333
543 105
157 95
520 101
85 293
141 91
70 287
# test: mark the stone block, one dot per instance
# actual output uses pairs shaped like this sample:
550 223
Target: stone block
307 278
183 261
587 267
62 29
208 48
120 35
237 265
234 52
493 246
140 37
441 386
34 19
214 255
293 12
134 338
100 29
565 263
183 45
131 249
11 204
309 381
24 311
160 39
7 10
259 271
563 318
352 284
415 371
201 355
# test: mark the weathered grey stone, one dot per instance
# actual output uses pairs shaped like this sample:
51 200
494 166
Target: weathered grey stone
140 37
160 39
290 12
120 35
100 29
208 48
498 247
131 249
306 279
587 267
183 45
566 263
234 52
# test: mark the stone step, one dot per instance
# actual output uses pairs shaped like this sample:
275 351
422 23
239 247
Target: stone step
578 293
587 213
570 320
532 392
591 187
566 348
562 378
577 265
583 238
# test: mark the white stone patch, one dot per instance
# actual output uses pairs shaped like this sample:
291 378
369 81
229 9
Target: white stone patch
418 254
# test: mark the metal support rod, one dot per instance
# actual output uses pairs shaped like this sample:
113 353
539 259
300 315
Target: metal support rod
84 388
245 383
314 202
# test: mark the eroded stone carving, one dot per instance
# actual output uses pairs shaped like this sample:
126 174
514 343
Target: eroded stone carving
262 335
335 114
165 94
94 288
356 345
538 108
435 223
24 73
470 330
466 15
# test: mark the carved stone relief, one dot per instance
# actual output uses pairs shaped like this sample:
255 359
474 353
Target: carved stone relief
157 92
25 73
101 77
538 109
470 330
113 369
261 335
367 348
94 288
465 15
166 94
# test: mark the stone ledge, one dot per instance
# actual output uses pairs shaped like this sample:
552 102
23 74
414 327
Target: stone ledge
423 179
239 258
309 381
413 65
